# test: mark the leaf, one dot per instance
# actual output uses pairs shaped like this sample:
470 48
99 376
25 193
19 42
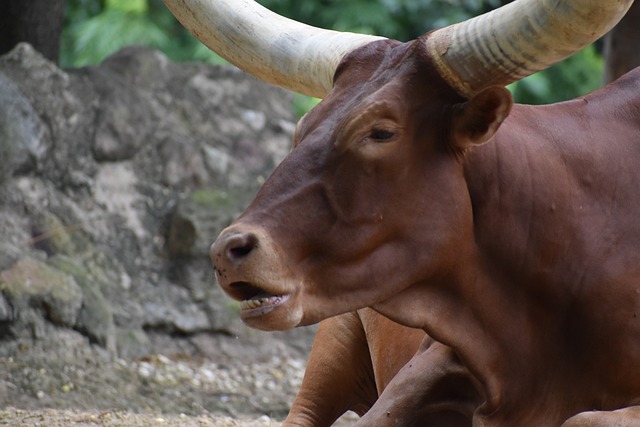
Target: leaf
139 7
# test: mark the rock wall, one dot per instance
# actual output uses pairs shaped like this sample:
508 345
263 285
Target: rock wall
114 181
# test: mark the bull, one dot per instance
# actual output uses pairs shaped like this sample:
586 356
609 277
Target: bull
507 232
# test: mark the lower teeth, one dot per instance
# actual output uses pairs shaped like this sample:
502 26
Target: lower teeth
255 303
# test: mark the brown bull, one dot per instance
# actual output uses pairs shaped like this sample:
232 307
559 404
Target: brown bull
516 243
354 358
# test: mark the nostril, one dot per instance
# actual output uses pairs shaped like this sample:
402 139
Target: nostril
239 252
240 245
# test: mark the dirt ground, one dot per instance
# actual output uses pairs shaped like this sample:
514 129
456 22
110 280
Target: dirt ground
73 418
247 388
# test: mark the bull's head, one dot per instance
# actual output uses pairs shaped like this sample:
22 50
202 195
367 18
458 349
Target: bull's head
372 199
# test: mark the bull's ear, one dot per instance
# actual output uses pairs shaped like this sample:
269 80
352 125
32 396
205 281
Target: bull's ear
477 120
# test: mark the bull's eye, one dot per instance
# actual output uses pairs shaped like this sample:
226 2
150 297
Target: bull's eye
381 135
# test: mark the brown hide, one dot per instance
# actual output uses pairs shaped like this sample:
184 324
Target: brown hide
521 254
339 375
434 389
356 355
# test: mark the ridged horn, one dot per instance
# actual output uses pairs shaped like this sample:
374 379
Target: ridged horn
519 39
266 45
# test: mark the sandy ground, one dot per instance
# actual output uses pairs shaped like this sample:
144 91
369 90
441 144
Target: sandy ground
155 391
72 418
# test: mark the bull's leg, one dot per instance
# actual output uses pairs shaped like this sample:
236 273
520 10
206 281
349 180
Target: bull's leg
627 417
339 375
391 345
433 390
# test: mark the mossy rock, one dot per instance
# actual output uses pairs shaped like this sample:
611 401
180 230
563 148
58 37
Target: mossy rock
198 219
95 318
30 282
214 199
132 343
55 237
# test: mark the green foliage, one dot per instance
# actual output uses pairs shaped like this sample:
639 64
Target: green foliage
117 24
302 104
95 29
134 6
398 19
577 75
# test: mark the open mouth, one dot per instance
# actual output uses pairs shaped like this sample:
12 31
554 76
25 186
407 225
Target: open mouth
255 301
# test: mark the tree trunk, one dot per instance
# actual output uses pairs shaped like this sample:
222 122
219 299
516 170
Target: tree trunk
622 45
38 22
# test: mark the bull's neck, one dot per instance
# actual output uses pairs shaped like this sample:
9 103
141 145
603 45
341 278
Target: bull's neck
482 307
513 283
517 301
461 311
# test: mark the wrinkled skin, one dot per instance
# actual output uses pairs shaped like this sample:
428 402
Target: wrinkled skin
433 389
515 243
355 356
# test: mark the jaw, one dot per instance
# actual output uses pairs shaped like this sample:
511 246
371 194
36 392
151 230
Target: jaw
279 290
274 318
284 302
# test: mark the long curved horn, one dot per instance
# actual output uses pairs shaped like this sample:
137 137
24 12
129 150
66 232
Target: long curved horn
272 48
519 39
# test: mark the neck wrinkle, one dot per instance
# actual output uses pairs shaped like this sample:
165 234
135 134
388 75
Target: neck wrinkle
459 313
